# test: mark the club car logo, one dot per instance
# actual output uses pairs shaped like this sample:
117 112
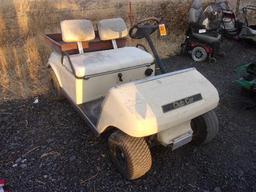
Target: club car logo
181 103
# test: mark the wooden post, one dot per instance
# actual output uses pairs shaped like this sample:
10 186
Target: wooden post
238 6
130 14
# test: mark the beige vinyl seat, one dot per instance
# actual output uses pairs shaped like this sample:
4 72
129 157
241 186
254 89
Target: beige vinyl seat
93 63
110 60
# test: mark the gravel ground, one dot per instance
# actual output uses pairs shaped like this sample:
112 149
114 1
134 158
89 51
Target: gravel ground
48 147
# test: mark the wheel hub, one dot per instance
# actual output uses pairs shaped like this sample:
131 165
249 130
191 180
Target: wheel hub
199 54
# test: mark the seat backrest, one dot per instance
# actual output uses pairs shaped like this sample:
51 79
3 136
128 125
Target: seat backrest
77 31
195 11
112 29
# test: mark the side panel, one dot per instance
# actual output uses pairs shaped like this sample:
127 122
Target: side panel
97 87
66 79
160 103
84 90
115 113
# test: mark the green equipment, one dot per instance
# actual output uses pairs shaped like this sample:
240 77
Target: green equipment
247 74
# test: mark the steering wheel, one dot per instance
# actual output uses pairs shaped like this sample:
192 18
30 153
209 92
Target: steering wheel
144 27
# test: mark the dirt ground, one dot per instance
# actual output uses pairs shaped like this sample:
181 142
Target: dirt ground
48 147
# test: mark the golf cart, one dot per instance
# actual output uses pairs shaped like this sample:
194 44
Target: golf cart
115 89
247 80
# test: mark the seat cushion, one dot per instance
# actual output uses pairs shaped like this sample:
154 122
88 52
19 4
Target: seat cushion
108 60
208 37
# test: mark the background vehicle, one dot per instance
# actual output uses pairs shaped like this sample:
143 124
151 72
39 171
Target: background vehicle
200 42
247 74
227 23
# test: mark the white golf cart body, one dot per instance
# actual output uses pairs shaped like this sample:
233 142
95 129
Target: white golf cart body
111 90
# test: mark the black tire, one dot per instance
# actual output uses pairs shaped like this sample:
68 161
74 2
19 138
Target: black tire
199 54
130 155
56 92
212 60
205 128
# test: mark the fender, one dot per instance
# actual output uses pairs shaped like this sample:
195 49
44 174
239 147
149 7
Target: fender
53 65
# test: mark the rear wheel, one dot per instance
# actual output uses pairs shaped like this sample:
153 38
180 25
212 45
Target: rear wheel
205 128
212 60
130 155
199 54
55 88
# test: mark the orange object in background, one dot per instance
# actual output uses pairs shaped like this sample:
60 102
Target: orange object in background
162 29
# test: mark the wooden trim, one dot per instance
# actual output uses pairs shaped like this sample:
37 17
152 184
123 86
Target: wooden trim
56 43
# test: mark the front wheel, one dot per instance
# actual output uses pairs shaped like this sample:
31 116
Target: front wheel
130 155
205 128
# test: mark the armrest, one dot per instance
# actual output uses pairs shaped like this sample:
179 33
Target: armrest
197 28
65 54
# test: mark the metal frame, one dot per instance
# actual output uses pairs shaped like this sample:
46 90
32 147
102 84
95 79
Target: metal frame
63 54
80 47
114 43
141 46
